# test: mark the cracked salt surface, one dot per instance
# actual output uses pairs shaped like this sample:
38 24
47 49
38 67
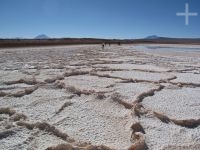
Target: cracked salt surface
42 140
176 103
160 135
187 78
98 119
6 76
130 91
48 74
40 105
16 140
86 82
134 66
13 87
147 76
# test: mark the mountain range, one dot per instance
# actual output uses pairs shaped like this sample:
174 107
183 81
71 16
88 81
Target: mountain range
41 36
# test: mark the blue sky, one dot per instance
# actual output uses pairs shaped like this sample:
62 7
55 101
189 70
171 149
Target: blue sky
97 18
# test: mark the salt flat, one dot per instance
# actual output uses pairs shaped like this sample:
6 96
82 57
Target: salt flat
133 97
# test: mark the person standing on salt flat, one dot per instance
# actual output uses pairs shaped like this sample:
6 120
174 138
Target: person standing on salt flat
103 45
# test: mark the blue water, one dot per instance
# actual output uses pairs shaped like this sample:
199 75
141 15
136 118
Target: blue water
165 48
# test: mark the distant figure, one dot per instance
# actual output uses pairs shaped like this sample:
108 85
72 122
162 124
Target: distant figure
103 45
109 43
119 43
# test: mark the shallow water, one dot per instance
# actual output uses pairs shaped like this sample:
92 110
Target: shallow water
182 48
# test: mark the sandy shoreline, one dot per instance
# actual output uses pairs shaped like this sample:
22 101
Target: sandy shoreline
89 98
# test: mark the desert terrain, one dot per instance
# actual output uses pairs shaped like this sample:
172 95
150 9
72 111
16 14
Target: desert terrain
83 97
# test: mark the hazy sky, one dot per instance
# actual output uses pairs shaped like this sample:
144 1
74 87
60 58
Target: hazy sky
97 18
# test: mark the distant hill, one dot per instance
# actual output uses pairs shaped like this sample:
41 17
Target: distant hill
152 37
42 36
159 38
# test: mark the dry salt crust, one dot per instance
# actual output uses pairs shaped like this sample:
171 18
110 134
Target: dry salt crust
24 139
130 91
187 78
15 90
6 76
176 103
87 82
99 121
139 75
133 66
5 88
42 140
38 106
16 140
160 135
49 74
